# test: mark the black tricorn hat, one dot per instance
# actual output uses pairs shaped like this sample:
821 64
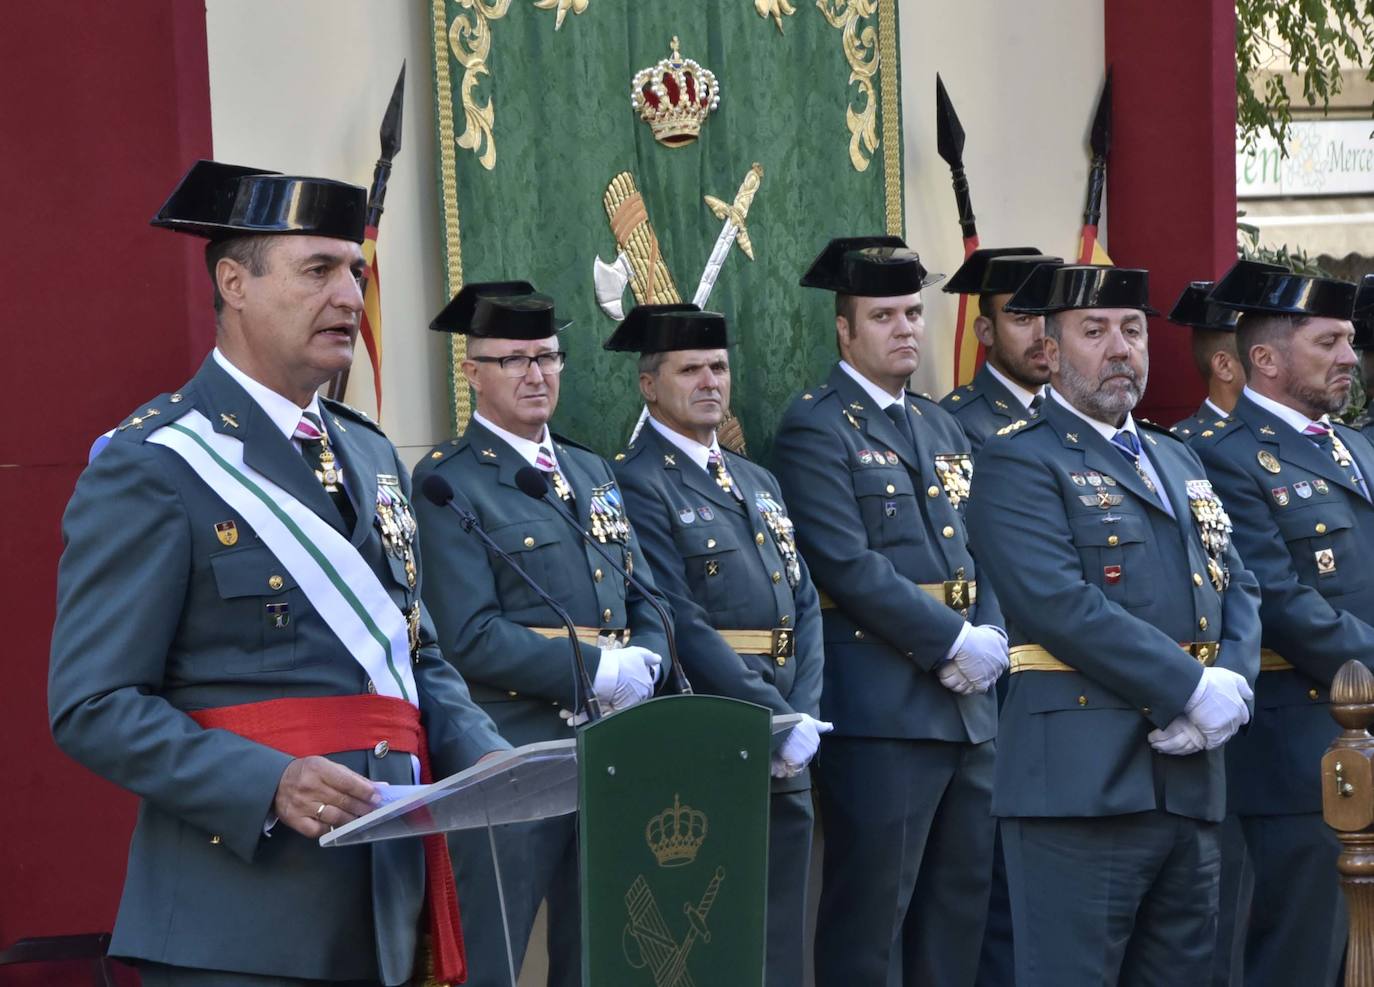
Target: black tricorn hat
968 280
868 266
1005 275
1251 286
666 328
219 201
1062 288
500 310
1194 310
1364 314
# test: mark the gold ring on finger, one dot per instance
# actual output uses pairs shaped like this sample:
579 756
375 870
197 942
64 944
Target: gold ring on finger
319 813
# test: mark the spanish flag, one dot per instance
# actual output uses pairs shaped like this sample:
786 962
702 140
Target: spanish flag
968 352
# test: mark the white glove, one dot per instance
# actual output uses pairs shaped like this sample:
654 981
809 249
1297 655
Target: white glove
982 656
625 676
1217 706
954 680
799 747
1178 738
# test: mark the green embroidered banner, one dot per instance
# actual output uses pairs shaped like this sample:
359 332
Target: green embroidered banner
543 159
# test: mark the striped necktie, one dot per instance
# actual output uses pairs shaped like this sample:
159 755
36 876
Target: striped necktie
715 465
320 458
545 461
1324 437
1128 445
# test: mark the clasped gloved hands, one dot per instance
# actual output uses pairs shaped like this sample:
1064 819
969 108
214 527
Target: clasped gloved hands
1214 712
978 663
799 747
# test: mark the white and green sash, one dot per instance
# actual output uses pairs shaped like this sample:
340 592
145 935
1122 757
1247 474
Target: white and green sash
335 578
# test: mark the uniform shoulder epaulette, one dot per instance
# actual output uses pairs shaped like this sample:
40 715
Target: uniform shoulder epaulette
1020 425
439 453
146 419
352 413
629 452
811 397
958 399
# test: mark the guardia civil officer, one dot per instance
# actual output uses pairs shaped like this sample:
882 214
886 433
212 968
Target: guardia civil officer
1296 485
1214 354
509 645
204 656
1136 641
1011 383
1010 386
716 532
876 478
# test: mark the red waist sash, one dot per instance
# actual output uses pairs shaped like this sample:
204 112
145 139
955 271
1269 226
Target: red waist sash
331 724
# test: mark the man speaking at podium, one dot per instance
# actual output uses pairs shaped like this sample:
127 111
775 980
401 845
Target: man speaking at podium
498 631
239 637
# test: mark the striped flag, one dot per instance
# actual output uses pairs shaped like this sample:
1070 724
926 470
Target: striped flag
365 389
968 352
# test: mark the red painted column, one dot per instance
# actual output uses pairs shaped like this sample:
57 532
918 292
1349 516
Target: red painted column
105 105
1171 179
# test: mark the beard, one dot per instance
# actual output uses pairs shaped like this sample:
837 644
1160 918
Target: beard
1089 397
1325 400
1021 367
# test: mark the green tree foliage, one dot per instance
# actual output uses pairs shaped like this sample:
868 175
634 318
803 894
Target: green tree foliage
1310 38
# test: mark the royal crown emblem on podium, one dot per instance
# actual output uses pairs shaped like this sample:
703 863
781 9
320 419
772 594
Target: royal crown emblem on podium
674 98
676 834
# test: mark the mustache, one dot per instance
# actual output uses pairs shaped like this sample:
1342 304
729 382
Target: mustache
1119 369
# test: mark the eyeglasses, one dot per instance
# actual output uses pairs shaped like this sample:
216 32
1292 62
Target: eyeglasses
519 365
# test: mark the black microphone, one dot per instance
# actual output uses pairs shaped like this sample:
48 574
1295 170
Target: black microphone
439 492
533 483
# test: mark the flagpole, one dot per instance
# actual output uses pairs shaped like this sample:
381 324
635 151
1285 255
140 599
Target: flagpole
390 137
1100 143
949 135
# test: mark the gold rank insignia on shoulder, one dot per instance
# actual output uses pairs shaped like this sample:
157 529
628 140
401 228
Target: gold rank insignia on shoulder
1267 460
229 420
1266 430
488 453
138 420
1000 403
1015 426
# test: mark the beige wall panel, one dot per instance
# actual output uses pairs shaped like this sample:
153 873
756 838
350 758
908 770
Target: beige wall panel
301 87
1024 78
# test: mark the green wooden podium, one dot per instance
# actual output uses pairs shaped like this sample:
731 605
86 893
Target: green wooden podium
673 800
673 796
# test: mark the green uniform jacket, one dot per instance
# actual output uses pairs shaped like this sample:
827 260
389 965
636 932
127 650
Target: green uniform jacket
484 612
1308 534
1090 567
719 564
157 617
1205 419
982 406
872 526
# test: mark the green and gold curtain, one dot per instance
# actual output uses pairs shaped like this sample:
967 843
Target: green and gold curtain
535 122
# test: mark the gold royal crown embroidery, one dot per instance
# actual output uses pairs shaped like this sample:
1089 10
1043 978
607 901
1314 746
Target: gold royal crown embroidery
674 98
676 834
